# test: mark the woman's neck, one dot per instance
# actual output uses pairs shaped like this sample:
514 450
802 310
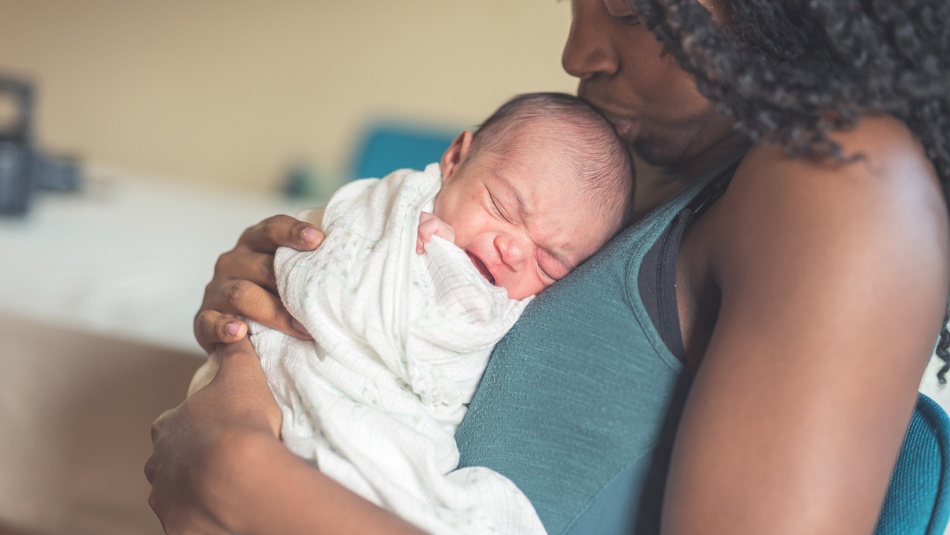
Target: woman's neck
656 183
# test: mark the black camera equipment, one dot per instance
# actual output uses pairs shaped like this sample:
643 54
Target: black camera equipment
23 167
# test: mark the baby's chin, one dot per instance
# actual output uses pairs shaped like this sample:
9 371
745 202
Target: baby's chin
518 294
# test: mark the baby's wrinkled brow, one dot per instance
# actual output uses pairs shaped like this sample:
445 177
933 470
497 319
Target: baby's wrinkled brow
522 206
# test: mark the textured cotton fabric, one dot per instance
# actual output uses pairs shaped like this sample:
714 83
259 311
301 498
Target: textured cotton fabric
400 343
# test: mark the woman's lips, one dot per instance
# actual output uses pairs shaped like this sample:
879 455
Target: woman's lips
622 126
623 123
480 266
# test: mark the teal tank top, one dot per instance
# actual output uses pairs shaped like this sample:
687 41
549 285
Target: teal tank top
580 401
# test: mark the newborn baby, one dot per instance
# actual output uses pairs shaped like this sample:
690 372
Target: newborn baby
420 274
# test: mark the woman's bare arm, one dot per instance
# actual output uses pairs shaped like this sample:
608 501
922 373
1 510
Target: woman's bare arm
218 466
834 282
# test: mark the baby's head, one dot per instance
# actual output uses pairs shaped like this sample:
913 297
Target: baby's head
541 186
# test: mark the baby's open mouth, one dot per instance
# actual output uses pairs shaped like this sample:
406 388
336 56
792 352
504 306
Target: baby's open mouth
480 266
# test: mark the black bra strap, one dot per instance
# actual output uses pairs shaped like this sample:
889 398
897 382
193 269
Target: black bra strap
657 274
718 185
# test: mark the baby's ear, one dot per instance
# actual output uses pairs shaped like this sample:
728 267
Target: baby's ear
456 154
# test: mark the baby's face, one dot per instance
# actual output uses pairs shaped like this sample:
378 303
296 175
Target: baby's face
524 223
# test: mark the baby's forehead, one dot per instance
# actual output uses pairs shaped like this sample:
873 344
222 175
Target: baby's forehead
572 225
561 156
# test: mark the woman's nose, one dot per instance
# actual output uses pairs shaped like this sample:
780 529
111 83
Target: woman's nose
512 251
588 50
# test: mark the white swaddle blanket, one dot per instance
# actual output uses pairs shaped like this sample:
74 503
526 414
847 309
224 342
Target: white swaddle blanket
400 343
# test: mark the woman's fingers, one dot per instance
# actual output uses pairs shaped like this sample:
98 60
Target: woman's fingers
281 231
215 323
244 264
244 284
212 327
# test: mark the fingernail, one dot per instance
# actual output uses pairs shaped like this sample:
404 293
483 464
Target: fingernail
233 328
299 326
308 235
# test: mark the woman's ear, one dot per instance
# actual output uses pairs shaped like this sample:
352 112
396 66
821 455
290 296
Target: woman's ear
456 154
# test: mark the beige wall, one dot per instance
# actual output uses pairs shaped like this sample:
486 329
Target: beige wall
230 92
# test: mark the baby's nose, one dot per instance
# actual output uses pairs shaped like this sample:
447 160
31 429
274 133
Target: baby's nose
512 251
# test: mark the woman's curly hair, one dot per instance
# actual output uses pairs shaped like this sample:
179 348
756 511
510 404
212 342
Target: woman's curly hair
790 71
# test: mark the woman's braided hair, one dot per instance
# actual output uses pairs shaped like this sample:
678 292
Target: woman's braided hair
791 71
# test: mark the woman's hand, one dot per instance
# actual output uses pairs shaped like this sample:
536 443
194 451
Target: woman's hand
193 463
218 466
244 283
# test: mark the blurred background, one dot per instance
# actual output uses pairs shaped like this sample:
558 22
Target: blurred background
162 129
231 93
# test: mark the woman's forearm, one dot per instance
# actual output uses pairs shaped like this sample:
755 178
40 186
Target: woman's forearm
258 487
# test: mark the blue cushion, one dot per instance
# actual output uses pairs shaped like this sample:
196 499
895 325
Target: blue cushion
918 498
386 147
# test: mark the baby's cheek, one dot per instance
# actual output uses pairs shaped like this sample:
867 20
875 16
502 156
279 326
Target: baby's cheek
526 286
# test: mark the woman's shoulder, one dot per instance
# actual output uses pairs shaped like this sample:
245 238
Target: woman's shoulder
882 183
881 165
830 225
821 226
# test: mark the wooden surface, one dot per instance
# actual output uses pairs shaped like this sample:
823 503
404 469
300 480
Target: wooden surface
75 413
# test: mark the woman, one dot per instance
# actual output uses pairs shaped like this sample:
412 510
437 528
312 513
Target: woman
781 329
